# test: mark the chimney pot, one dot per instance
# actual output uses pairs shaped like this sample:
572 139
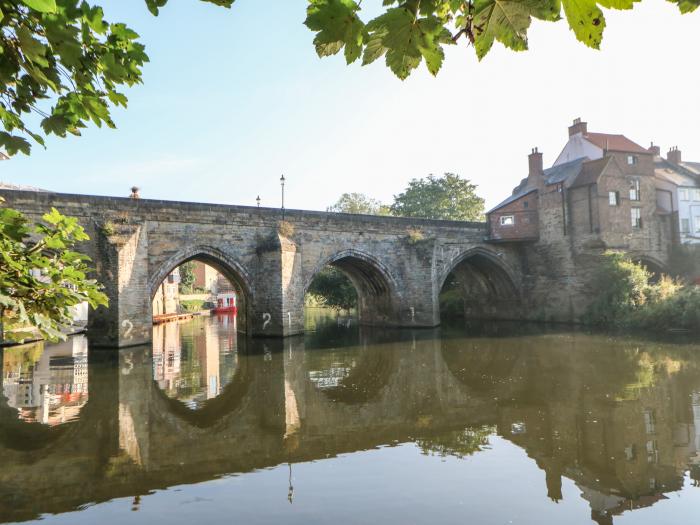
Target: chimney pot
674 155
578 127
654 150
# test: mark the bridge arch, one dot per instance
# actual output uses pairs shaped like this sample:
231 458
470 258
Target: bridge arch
488 284
653 265
226 265
376 288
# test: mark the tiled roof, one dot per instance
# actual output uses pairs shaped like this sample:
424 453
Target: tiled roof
512 198
669 172
562 172
694 167
610 142
590 171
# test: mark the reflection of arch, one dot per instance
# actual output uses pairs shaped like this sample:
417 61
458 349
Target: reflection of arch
376 288
216 408
16 434
220 261
487 284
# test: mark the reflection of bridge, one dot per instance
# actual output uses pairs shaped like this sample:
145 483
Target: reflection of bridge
397 265
611 428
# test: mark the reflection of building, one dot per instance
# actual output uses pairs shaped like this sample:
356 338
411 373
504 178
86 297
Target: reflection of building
48 385
167 298
194 360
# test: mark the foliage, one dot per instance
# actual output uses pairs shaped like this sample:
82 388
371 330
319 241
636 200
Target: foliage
408 32
192 305
333 289
41 278
186 277
359 203
624 297
685 262
62 61
448 198
415 236
451 299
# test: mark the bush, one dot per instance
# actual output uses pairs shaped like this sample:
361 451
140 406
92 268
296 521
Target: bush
624 297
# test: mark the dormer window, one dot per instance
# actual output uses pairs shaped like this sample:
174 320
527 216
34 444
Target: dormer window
631 160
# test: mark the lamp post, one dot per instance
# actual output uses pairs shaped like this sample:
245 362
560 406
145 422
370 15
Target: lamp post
258 200
282 179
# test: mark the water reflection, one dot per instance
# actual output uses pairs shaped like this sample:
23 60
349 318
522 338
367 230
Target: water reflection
46 384
193 361
616 421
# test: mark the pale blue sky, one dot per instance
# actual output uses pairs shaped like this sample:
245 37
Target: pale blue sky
233 98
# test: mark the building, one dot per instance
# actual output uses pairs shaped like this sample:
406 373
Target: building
678 187
167 298
205 277
599 194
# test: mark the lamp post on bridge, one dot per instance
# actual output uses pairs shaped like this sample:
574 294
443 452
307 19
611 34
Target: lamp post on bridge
282 180
258 200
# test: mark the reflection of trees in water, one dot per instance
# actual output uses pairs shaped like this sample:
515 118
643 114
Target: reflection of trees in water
457 443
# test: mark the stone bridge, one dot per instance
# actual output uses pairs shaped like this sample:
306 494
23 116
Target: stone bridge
398 265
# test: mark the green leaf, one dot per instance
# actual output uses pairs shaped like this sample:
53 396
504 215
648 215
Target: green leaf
406 40
686 6
586 21
338 26
43 6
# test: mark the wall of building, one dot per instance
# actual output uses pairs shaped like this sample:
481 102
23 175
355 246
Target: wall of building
525 221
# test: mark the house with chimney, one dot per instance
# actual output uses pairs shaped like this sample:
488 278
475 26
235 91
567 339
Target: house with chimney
678 194
600 193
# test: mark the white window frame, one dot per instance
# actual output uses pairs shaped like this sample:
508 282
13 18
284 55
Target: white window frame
631 160
636 217
683 194
614 198
696 194
505 222
635 190
696 224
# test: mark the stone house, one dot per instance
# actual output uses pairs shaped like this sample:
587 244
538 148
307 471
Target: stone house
167 296
600 194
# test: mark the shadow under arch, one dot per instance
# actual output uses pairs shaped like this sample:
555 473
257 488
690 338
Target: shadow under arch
487 284
221 262
655 267
230 399
376 288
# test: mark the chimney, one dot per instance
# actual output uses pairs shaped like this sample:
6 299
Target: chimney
674 155
654 150
578 127
134 193
535 176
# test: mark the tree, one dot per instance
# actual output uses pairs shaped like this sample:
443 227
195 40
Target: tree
187 277
61 60
447 198
407 32
334 288
41 278
359 203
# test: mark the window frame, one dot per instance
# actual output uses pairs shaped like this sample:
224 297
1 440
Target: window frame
635 190
632 160
684 194
614 198
503 223
636 217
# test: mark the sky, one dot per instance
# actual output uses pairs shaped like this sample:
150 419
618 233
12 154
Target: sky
232 99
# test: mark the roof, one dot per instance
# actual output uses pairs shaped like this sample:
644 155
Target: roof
694 167
512 198
18 187
562 172
610 142
590 171
669 172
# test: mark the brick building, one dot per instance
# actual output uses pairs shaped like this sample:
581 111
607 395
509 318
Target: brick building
600 193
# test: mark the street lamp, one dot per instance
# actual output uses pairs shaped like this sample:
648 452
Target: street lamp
258 200
282 179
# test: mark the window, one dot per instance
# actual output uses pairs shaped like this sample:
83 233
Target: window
683 194
685 225
634 190
631 160
614 198
526 204
696 195
649 421
696 223
636 217
507 220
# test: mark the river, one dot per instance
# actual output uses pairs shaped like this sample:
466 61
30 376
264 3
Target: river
488 424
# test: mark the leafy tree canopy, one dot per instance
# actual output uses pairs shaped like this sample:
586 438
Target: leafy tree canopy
41 278
359 203
334 289
61 60
447 198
